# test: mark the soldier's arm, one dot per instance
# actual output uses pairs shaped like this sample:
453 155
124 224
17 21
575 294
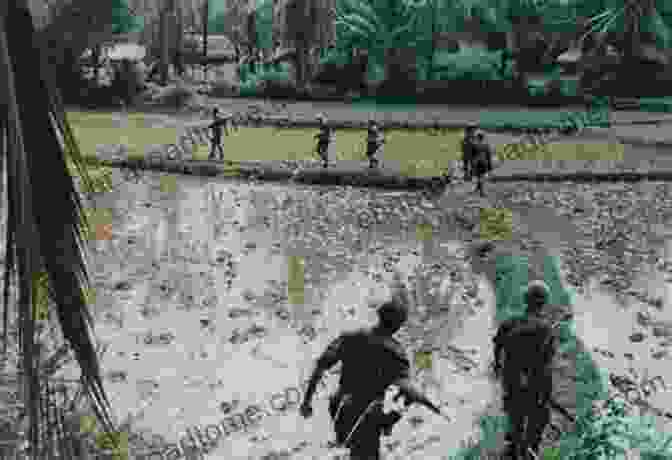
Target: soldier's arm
326 361
498 341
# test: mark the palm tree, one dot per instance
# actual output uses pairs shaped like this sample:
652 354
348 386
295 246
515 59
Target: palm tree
44 226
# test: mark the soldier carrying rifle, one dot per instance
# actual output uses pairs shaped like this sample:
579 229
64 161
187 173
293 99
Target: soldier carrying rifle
374 141
468 149
527 377
324 139
373 361
481 162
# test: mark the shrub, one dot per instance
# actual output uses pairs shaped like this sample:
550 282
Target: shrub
469 64
275 83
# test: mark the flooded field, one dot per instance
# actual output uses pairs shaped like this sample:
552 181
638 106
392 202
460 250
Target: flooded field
213 297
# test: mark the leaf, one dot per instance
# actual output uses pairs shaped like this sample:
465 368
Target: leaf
357 21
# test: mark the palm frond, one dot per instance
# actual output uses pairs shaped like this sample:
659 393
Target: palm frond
44 230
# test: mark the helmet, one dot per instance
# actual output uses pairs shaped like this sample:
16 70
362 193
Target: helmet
393 313
472 129
537 289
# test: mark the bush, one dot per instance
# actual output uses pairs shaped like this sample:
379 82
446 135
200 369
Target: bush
469 64
272 83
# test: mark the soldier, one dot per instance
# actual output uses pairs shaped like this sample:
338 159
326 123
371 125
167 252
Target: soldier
481 162
216 128
372 361
527 379
374 141
324 138
468 149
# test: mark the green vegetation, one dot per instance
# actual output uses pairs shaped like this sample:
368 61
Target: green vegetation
603 429
432 151
95 128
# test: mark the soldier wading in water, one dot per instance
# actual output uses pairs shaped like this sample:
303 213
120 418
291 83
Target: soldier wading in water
528 345
372 361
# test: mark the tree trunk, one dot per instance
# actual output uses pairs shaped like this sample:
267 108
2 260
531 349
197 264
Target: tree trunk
96 63
206 14
164 59
301 57
430 68
179 33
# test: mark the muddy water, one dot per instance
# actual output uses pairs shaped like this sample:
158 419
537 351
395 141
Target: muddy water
166 271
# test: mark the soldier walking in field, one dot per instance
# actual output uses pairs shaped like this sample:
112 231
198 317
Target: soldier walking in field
324 139
481 162
468 149
372 362
218 125
374 141
524 349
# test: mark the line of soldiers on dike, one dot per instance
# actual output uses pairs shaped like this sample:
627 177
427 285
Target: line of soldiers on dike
375 139
374 362
477 153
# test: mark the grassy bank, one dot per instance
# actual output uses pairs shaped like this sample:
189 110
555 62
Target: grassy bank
416 153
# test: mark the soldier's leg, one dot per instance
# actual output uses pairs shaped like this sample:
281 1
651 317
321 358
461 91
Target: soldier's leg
365 442
370 153
516 413
537 423
323 149
212 156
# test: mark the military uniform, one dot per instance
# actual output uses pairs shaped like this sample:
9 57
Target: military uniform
374 140
216 127
528 344
362 388
324 138
468 147
481 161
